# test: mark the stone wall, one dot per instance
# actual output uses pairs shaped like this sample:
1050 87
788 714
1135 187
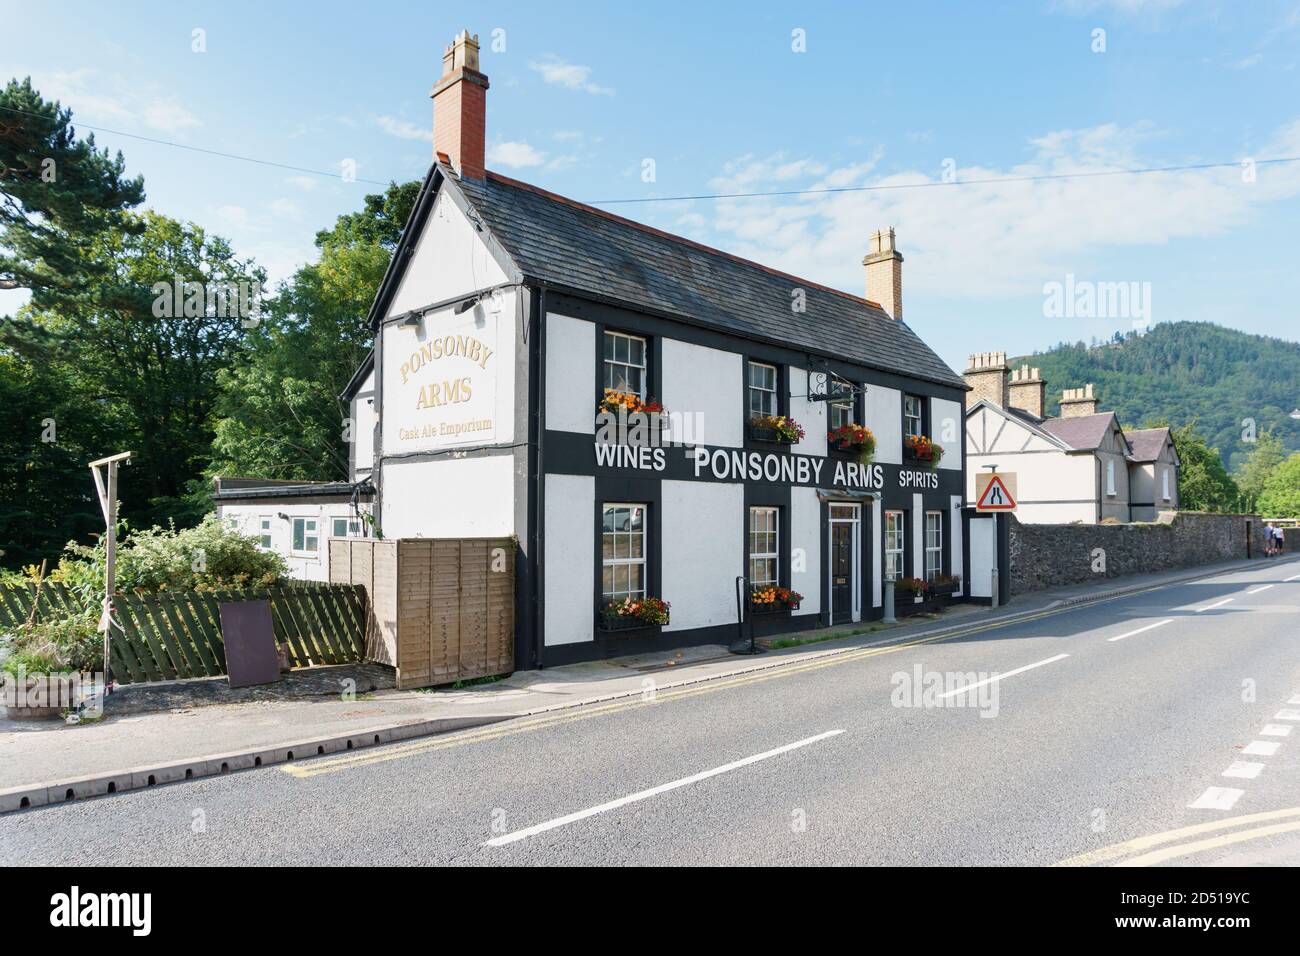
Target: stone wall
1291 540
1052 555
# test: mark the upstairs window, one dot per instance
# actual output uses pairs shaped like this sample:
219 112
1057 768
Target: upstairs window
1110 476
913 419
762 389
625 368
1165 487
841 409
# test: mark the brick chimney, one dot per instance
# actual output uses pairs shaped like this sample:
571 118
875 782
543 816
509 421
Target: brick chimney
1076 402
987 377
1026 390
460 108
884 267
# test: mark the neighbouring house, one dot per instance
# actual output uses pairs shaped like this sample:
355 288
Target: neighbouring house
295 518
510 315
1080 467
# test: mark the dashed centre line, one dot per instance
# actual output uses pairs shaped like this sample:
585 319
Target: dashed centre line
1276 730
997 677
1262 587
1262 748
1244 769
1120 637
1216 798
1211 607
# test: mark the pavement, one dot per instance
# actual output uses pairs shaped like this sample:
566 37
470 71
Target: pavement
44 763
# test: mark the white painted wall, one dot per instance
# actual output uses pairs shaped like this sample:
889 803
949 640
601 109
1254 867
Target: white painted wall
363 428
878 553
955 556
449 498
570 374
946 421
450 259
917 517
806 538
570 558
983 557
698 379
811 415
884 416
246 520
702 550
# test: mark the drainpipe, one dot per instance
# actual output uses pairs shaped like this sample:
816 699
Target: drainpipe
539 520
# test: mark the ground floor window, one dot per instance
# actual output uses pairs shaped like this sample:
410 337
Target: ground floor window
306 536
933 544
764 547
346 528
894 538
264 533
623 552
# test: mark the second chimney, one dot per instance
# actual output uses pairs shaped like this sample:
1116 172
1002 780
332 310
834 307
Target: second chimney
1076 402
460 108
1026 390
884 267
987 377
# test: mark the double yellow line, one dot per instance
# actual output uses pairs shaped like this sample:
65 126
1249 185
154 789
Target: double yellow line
1183 841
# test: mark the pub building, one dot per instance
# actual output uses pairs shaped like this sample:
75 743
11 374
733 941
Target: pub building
649 417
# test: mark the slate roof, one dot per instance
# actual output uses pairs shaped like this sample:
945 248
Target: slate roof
1083 433
1147 443
587 250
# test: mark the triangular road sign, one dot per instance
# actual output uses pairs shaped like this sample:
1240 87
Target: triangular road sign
995 495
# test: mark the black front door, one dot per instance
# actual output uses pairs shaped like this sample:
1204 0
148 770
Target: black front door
841 571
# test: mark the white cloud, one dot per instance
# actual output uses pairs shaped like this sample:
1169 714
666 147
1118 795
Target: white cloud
404 129
571 76
989 239
305 183
95 97
516 154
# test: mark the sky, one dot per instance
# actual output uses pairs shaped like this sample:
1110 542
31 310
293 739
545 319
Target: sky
924 103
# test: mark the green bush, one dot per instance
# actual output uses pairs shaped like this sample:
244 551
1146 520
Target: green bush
69 643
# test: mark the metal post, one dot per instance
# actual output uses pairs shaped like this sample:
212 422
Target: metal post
993 574
889 603
107 490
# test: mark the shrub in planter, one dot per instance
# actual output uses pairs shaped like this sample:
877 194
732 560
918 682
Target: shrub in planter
770 599
920 448
910 588
775 428
854 438
616 401
627 614
945 584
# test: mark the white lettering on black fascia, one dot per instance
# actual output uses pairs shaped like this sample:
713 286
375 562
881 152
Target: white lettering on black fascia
630 456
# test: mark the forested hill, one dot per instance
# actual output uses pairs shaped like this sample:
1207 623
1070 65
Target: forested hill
1187 371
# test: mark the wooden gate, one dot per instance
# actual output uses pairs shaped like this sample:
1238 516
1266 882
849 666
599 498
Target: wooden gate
441 609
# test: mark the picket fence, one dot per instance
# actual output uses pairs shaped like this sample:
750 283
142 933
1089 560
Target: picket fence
175 634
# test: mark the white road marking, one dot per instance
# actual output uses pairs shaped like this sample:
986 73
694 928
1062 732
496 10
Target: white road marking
1120 637
1294 577
1211 607
1287 715
1262 587
1276 730
1216 798
653 791
1294 700
1261 748
1244 769
997 677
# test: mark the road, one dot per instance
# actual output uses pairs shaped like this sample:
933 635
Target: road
1095 731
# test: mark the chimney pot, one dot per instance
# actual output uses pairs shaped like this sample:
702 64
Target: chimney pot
1027 390
987 377
460 109
1076 402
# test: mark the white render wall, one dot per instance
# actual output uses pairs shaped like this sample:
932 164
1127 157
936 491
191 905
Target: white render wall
806 548
709 382
569 562
450 259
811 415
364 418
946 419
570 374
702 550
884 416
246 519
449 498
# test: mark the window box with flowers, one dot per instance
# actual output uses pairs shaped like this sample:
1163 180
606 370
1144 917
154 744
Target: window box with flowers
910 595
854 440
631 615
777 429
631 411
920 448
771 600
944 585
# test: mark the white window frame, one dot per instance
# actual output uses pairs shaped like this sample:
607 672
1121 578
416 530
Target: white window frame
616 561
900 537
313 534
933 545
352 530
842 405
772 518
919 417
1110 477
265 536
611 366
761 390
1164 474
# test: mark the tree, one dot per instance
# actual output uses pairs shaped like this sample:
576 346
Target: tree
1203 484
1265 455
1280 497
57 193
279 415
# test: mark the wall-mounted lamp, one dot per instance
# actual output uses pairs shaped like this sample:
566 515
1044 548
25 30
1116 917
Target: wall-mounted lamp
468 304
412 319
